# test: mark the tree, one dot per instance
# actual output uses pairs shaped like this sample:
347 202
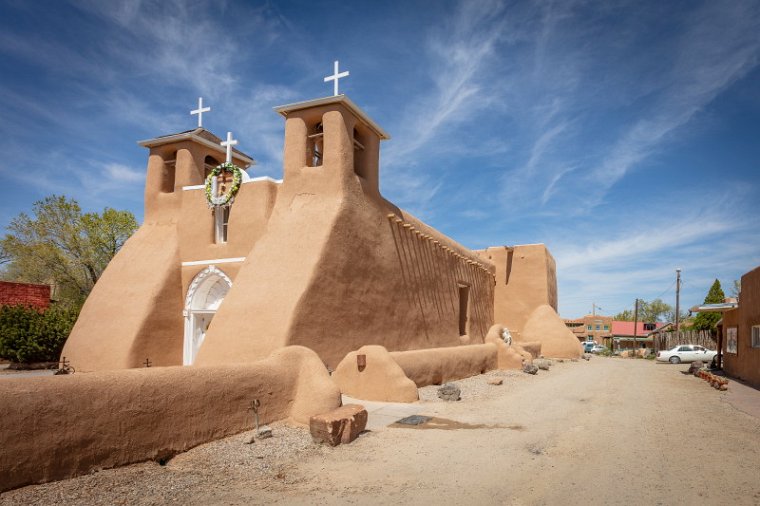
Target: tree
63 246
650 312
654 311
624 316
708 321
736 289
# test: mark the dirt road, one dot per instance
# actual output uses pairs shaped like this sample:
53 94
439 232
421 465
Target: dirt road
608 431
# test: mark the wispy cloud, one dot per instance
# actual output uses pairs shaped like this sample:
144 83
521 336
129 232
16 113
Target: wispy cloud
717 48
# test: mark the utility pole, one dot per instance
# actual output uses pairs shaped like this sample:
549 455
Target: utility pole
593 309
635 323
678 298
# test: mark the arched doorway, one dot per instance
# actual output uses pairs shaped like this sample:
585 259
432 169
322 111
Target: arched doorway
204 296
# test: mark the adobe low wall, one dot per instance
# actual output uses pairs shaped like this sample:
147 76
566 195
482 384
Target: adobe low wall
439 365
395 376
62 426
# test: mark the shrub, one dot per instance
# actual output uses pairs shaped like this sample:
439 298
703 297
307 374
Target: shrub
28 335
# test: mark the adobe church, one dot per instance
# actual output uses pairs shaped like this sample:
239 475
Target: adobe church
319 259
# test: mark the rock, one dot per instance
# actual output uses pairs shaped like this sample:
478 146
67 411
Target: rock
695 367
495 381
542 364
530 369
341 425
562 360
587 356
264 432
449 392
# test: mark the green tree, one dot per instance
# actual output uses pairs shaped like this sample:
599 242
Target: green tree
624 316
654 311
708 321
650 312
61 245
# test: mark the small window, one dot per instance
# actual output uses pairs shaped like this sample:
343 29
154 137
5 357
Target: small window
590 339
221 220
589 327
168 173
597 327
606 327
756 336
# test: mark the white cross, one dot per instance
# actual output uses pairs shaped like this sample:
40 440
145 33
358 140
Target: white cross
228 144
335 78
199 111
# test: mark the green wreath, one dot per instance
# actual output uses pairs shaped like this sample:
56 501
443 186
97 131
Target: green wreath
229 197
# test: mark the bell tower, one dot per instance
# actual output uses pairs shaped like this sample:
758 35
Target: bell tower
333 139
180 160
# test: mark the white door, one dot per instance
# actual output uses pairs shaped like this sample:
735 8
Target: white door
204 296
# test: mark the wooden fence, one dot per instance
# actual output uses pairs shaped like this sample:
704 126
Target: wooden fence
668 340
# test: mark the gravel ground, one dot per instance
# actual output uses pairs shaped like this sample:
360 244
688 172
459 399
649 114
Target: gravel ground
597 432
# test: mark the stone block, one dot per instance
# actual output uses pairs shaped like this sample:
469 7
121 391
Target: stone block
530 369
341 425
449 392
495 381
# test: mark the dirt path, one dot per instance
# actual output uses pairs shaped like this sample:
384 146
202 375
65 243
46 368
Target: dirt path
610 431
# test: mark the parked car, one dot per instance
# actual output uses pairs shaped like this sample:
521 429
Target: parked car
598 348
686 353
588 346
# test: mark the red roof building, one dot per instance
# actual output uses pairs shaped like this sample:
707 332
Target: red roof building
24 294
625 329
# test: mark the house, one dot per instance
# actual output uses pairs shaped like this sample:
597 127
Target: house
319 259
739 332
24 294
631 335
591 327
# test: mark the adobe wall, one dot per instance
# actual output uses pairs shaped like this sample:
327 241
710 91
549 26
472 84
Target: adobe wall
525 279
134 312
395 376
745 364
335 272
56 427
24 294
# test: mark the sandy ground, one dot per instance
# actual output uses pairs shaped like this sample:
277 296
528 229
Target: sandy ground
608 431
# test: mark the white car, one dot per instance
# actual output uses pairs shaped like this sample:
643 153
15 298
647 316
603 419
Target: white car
686 353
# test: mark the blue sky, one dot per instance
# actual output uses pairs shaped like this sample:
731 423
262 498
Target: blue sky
624 135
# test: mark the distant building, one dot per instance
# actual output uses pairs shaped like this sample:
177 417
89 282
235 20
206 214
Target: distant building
24 294
591 328
626 335
611 333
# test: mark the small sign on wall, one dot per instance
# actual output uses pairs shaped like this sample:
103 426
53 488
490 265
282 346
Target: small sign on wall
731 340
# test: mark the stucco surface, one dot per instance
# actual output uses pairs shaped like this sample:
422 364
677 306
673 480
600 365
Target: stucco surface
510 356
61 426
546 327
745 364
439 365
340 267
525 280
381 379
134 311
